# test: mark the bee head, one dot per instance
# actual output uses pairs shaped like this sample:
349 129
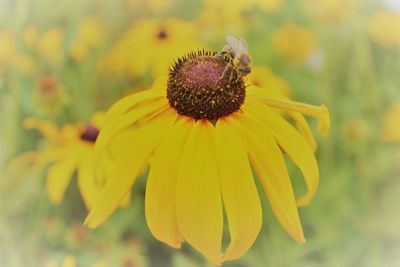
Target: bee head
244 70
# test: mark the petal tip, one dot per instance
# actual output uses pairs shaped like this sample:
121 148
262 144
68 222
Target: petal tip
303 202
324 121
89 223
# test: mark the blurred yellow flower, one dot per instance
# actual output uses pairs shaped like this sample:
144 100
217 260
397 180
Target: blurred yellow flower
264 78
7 48
203 130
218 18
391 124
238 7
355 130
294 41
268 6
151 45
70 149
67 261
384 28
90 35
331 9
91 32
151 5
30 36
26 64
78 51
70 261
50 46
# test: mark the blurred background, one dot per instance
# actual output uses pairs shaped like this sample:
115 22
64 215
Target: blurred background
62 61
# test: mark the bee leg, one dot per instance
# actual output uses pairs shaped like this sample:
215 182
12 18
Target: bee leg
228 69
221 54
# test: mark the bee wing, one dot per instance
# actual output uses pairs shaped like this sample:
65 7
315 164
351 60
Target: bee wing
243 46
233 43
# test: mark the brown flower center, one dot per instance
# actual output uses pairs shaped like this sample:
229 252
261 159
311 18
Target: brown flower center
90 134
162 34
201 86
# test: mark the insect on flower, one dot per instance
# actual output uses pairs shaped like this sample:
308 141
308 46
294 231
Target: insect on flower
238 52
205 134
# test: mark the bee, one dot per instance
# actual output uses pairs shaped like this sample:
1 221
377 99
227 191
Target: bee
239 54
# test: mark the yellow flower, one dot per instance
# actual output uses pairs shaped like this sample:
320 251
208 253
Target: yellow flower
78 51
268 6
294 41
151 5
331 9
216 18
7 48
90 32
26 64
67 261
70 261
264 78
355 129
90 35
30 36
391 124
201 132
239 7
71 149
50 46
384 28
151 45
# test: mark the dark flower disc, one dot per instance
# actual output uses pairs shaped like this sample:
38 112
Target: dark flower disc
201 86
90 134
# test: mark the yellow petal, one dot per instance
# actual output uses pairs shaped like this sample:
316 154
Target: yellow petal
52 154
86 182
304 129
239 193
267 160
126 201
320 113
294 145
58 178
128 166
68 261
126 103
46 128
123 121
23 159
198 193
161 184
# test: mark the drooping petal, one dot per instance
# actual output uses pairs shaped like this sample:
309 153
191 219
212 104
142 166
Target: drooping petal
86 182
267 160
301 123
239 193
123 121
128 166
161 184
58 178
304 129
294 145
321 113
198 193
46 128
